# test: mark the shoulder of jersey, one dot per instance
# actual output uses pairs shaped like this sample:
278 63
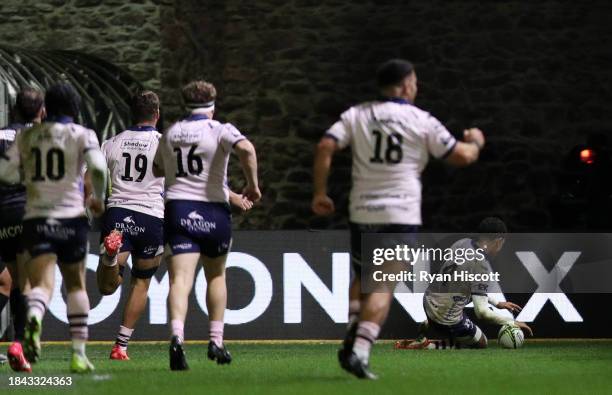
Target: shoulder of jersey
8 133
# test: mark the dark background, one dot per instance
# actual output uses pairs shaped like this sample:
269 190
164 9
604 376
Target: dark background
535 76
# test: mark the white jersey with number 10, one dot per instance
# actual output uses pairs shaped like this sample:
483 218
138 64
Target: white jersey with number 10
391 142
52 157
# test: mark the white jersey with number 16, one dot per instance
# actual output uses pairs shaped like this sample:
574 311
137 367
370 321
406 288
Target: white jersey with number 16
194 154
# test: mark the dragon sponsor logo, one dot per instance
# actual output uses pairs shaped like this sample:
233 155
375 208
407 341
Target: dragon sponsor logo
196 223
129 225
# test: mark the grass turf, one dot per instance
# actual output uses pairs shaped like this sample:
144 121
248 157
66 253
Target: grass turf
302 368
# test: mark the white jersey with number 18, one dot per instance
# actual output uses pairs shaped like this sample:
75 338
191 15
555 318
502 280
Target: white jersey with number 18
391 142
129 156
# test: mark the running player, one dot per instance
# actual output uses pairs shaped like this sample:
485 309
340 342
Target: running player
193 156
391 141
30 109
52 156
444 302
133 221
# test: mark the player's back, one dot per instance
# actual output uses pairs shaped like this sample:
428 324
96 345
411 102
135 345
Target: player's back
391 141
11 196
129 156
445 300
194 154
52 159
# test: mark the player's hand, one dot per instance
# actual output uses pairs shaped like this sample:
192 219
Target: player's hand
474 135
241 202
513 307
524 327
323 205
95 206
252 193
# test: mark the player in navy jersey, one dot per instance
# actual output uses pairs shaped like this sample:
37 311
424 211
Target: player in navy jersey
50 159
391 140
29 109
193 155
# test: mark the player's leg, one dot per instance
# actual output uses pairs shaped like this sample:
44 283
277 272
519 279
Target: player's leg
115 249
5 286
216 302
78 313
466 334
41 272
354 290
109 274
20 287
181 269
142 271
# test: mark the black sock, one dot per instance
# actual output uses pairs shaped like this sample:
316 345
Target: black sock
3 300
19 308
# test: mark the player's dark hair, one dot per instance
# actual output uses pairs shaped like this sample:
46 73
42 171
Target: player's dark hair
199 92
62 100
144 105
28 104
492 228
392 72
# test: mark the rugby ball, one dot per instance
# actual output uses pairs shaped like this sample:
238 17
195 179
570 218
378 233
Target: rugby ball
510 336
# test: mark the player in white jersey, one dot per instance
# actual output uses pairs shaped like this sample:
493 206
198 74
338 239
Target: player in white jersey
193 155
444 302
30 110
133 221
52 157
391 140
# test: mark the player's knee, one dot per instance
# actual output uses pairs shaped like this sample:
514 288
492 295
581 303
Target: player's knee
143 274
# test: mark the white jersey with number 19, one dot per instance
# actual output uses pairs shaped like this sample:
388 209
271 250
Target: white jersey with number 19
52 158
391 142
194 154
129 156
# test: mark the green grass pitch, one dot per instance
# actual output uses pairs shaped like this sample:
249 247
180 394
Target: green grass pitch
311 368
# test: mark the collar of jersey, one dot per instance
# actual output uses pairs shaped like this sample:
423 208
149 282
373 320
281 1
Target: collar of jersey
142 128
61 119
397 100
196 117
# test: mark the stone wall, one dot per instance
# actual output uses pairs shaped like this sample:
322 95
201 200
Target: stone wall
535 76
126 33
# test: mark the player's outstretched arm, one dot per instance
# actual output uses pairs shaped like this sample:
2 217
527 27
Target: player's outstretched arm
248 160
482 311
467 152
96 167
322 204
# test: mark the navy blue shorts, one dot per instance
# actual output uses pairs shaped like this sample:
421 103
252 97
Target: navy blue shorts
11 229
193 226
143 235
65 237
358 229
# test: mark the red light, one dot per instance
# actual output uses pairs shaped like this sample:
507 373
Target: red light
587 156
